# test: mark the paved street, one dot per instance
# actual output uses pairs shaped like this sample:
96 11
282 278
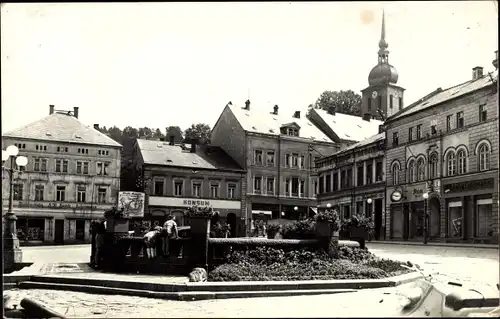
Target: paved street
471 264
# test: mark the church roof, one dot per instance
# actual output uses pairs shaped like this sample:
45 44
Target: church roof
58 127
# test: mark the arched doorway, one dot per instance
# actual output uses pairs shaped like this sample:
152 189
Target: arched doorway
434 217
231 221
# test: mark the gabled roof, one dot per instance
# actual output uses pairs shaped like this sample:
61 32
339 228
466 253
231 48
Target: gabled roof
205 157
263 121
292 124
349 127
440 96
59 127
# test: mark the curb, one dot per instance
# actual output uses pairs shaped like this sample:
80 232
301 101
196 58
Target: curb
446 245
211 290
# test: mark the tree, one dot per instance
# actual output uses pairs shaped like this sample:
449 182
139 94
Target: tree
158 135
145 133
347 102
200 131
176 132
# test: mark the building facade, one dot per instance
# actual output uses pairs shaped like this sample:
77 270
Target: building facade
72 177
442 160
176 177
278 153
353 181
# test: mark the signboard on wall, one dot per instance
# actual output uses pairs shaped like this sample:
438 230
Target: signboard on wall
132 203
188 202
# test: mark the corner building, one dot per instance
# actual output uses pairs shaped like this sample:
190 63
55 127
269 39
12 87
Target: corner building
72 177
446 145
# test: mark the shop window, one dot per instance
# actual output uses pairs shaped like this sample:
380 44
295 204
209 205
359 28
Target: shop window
455 219
484 217
80 230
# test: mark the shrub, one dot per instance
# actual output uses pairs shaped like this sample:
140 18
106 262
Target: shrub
388 265
302 229
195 211
357 221
273 228
330 216
219 229
355 254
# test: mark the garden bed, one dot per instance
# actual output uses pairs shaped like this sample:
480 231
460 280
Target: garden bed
271 264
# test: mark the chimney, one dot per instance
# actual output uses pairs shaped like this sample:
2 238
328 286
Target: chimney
51 109
367 117
96 126
247 105
297 114
275 109
172 140
477 72
193 145
495 62
75 111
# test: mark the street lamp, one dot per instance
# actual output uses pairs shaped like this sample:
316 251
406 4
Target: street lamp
12 252
295 209
426 219
328 205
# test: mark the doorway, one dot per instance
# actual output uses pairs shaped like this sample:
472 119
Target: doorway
434 218
59 231
231 221
378 218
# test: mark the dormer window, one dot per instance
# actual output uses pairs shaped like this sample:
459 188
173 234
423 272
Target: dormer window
291 129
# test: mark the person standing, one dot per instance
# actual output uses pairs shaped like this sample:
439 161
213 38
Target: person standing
99 241
150 241
170 231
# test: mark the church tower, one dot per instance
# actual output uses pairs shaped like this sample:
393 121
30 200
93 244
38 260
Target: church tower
382 95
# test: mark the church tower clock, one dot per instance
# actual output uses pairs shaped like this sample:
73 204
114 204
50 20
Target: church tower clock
382 98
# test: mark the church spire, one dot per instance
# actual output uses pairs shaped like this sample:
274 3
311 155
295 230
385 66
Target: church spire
383 53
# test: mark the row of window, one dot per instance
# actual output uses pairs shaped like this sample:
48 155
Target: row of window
294 186
196 189
459 123
61 193
40 164
61 149
455 163
346 177
291 160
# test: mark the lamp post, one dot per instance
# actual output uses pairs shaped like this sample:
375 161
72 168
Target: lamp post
369 201
295 209
12 252
426 219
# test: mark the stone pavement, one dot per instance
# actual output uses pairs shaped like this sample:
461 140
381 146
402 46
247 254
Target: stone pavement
375 303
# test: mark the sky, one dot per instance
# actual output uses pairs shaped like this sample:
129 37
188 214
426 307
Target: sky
162 64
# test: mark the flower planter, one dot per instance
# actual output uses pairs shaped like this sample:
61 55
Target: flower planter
359 232
117 225
200 225
323 229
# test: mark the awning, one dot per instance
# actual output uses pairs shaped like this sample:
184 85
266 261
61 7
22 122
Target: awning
314 209
258 212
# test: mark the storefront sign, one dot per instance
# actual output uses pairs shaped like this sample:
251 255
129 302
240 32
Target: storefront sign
58 205
470 185
132 203
188 202
396 196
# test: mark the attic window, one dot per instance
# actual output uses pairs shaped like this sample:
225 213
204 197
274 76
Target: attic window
48 134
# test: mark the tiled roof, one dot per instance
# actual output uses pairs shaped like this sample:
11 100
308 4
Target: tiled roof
366 141
62 128
349 127
263 121
206 156
447 94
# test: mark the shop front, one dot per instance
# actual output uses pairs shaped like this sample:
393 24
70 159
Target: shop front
470 204
55 222
160 207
